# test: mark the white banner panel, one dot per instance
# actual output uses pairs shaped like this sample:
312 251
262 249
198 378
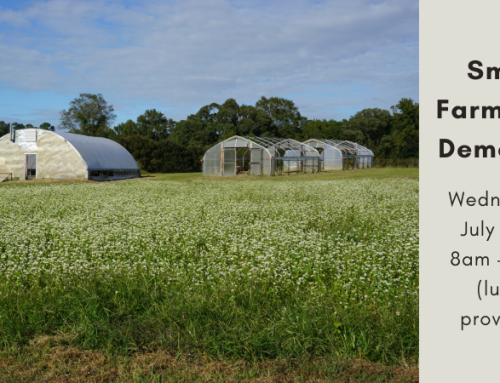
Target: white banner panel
460 191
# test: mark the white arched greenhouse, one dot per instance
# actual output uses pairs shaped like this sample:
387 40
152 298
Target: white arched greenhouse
339 155
259 156
37 153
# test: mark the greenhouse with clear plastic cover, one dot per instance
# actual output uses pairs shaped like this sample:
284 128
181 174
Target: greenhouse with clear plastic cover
260 156
339 155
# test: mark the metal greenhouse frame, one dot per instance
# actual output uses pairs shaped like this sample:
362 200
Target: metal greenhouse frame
339 155
260 156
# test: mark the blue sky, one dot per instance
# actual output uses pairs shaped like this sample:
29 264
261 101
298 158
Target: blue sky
332 58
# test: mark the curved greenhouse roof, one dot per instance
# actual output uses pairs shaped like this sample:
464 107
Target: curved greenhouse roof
346 147
263 155
38 153
100 153
274 145
334 152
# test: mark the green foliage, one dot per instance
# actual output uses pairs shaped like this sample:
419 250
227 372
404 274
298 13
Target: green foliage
284 114
125 129
154 125
163 156
368 127
199 131
136 265
227 118
323 129
132 313
4 128
88 114
388 136
405 132
17 126
47 126
255 122
216 122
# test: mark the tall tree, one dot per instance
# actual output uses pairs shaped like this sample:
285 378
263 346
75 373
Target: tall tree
199 131
255 122
154 125
315 129
88 114
4 128
18 126
405 128
368 126
162 156
47 126
126 129
227 118
194 133
285 115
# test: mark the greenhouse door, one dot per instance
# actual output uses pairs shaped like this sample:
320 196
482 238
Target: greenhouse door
256 162
229 162
30 166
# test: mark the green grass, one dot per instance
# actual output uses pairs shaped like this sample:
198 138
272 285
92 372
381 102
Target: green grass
373 173
215 270
252 323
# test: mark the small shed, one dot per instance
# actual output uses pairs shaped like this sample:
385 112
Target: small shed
37 153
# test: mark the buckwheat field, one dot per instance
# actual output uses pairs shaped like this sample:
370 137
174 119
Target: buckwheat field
252 269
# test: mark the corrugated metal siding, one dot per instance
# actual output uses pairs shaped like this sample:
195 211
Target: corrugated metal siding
101 153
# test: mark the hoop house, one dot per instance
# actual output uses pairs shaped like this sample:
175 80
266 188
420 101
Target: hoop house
28 154
259 156
339 155
365 156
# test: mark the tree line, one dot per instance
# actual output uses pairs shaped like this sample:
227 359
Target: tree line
160 144
5 127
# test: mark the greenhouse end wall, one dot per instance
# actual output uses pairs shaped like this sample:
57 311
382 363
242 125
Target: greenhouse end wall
55 158
212 161
337 155
264 155
41 154
332 158
221 160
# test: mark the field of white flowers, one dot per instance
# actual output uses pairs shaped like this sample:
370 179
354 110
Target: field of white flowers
247 268
357 237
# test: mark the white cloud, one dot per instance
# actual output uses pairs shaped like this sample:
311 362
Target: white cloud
186 54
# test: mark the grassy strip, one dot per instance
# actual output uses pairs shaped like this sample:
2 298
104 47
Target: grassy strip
49 359
123 314
375 173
